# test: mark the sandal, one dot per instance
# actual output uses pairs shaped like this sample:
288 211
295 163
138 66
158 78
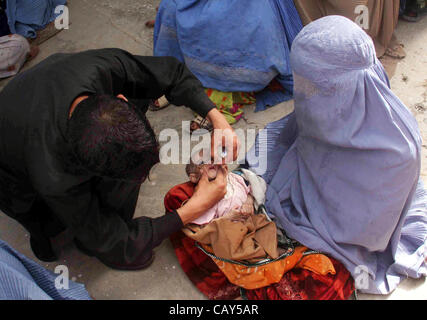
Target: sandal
200 123
150 24
396 52
34 51
158 104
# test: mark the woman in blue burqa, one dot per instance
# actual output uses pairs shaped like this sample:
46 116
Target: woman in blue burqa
343 170
231 45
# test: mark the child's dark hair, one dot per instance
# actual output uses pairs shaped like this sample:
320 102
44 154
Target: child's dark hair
111 137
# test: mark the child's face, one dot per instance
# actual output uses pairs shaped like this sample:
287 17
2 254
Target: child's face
195 171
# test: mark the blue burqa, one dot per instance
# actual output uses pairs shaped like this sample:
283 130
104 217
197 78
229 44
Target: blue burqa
231 45
25 17
343 168
23 279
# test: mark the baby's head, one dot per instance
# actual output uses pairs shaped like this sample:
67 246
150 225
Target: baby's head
194 171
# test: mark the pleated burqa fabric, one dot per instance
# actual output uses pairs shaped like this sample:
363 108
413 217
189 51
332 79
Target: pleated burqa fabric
343 169
23 279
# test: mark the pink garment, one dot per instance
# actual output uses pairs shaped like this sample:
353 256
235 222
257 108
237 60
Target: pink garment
237 193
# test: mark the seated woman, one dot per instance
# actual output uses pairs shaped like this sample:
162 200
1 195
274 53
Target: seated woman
343 170
232 47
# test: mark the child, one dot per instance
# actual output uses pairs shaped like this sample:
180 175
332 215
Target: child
237 203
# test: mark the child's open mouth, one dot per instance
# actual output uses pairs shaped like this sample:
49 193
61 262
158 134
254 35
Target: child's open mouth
212 171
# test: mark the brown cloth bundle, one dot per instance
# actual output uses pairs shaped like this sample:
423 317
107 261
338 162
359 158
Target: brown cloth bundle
251 239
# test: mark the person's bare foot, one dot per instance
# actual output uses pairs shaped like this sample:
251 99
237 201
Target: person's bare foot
150 24
34 51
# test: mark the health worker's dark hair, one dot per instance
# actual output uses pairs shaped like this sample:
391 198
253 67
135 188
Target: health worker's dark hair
110 137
